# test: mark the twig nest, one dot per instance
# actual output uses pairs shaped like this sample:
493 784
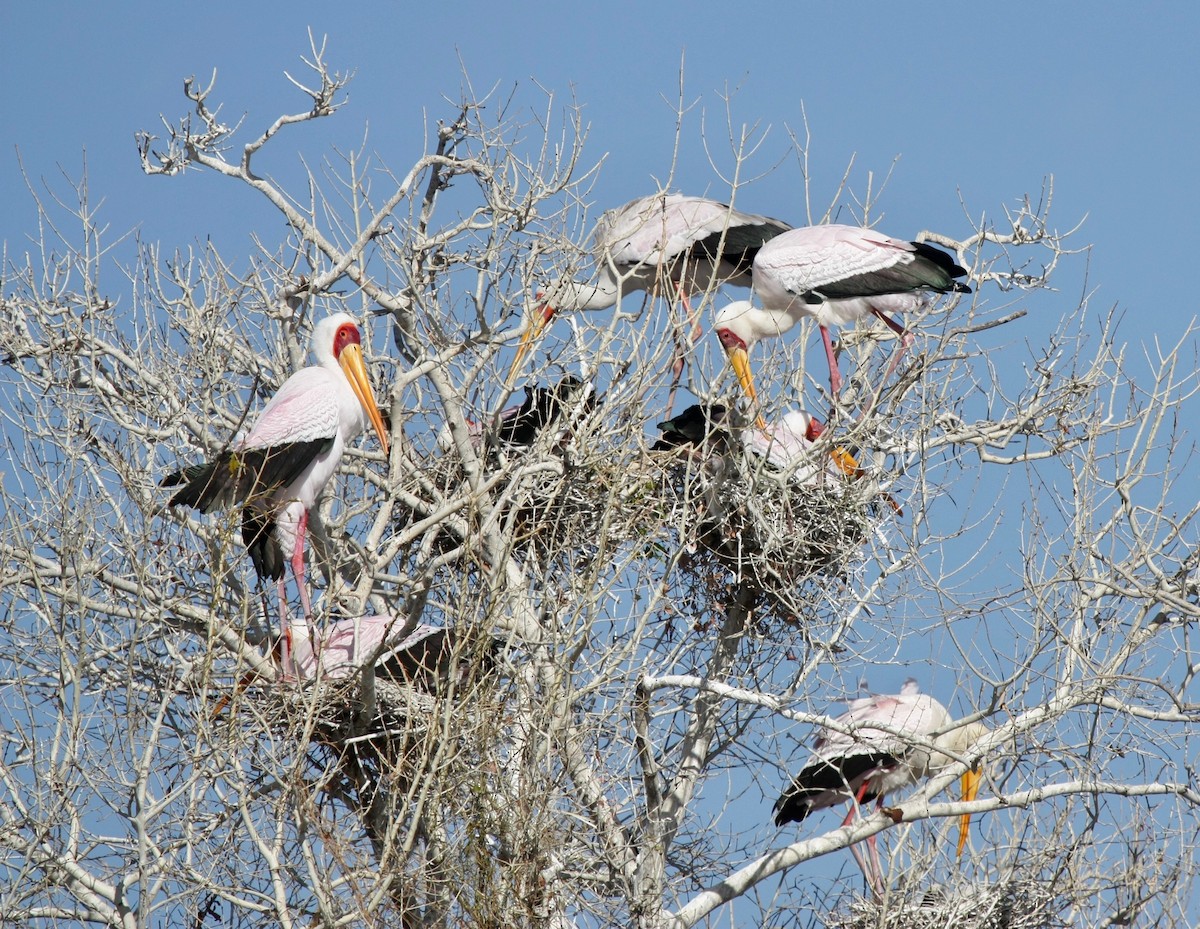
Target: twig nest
1014 904
774 508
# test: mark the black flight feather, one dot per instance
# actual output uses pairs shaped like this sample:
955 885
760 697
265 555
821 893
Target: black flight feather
933 270
737 245
236 476
820 776
248 477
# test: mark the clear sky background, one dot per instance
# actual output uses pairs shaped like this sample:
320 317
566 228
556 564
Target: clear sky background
981 103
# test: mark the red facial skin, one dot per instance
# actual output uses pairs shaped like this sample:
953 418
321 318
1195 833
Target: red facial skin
346 335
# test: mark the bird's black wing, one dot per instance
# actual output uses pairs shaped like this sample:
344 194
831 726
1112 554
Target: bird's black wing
738 245
823 775
691 427
236 476
542 407
438 661
933 269
243 477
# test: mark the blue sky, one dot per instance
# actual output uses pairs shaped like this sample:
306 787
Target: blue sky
980 103
984 102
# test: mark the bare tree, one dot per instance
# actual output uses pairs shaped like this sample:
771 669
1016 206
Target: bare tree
642 640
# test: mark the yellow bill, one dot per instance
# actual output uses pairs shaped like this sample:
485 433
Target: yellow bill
537 325
970 790
739 360
355 369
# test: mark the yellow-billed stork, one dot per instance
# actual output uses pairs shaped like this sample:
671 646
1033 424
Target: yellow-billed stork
690 243
879 745
836 275
279 469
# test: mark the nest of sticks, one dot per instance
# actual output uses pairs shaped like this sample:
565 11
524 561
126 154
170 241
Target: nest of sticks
1020 903
564 498
761 524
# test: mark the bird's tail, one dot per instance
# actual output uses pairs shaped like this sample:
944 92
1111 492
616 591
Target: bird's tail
258 535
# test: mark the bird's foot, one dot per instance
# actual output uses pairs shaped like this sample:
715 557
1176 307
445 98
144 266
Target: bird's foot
894 813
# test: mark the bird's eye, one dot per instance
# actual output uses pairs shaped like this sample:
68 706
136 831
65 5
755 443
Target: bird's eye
730 339
347 334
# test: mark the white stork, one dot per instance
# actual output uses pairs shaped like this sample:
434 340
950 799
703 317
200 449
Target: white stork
857 760
692 242
835 275
278 470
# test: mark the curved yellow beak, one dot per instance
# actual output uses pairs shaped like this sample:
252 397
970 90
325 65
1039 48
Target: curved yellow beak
846 462
739 360
355 369
537 325
970 790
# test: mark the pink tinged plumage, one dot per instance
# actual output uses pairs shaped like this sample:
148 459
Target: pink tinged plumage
347 645
689 244
788 445
277 472
834 275
874 748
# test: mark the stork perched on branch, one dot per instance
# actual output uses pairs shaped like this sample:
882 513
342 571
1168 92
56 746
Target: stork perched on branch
880 745
658 244
835 275
276 472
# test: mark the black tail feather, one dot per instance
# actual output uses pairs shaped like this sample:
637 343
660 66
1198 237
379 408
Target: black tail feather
258 535
738 245
945 263
821 776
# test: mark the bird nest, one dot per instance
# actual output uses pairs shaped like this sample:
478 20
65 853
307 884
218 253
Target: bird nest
1015 904
376 738
761 524
390 691
594 504
563 498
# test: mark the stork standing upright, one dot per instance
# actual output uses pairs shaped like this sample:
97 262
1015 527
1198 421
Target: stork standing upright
278 470
835 275
693 243
859 760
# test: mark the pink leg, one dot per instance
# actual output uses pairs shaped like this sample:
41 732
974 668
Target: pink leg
854 849
285 629
691 317
872 870
298 565
835 376
873 847
906 340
